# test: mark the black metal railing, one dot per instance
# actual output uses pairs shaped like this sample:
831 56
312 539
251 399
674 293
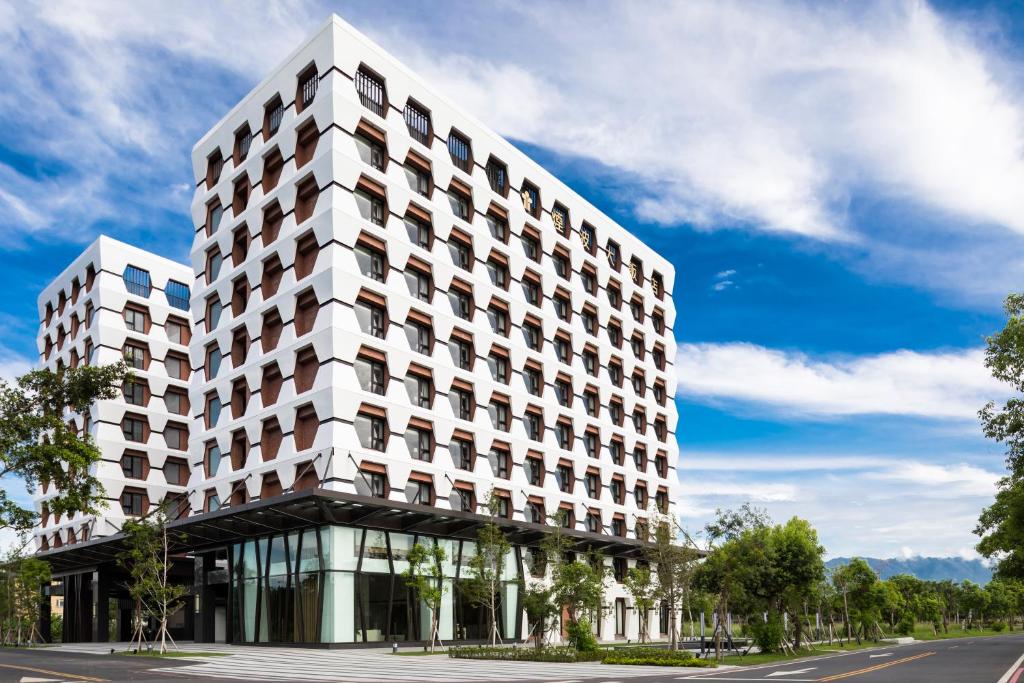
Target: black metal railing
458 148
418 122
498 177
371 92
274 120
308 89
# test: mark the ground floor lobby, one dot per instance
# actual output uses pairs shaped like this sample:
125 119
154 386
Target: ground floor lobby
318 569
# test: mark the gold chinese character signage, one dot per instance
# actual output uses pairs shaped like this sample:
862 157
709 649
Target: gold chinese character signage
527 200
585 238
655 285
558 219
634 272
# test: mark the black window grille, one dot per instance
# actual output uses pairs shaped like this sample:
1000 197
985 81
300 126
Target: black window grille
459 149
308 89
244 143
177 294
371 92
137 281
275 116
497 176
418 122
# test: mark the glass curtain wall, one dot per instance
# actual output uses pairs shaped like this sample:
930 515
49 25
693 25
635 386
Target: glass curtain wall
344 585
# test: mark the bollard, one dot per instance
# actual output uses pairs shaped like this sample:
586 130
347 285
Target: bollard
394 648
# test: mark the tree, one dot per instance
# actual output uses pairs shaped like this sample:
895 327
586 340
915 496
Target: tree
540 609
975 600
1001 525
23 578
674 560
796 569
39 446
578 586
640 584
487 568
426 579
147 560
862 595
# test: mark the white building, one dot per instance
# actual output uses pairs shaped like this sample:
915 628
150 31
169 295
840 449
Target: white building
116 301
398 318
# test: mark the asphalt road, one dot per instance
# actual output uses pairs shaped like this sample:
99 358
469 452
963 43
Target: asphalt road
960 660
42 664
997 659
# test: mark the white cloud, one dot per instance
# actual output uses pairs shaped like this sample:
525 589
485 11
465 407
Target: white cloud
766 114
872 505
952 384
725 273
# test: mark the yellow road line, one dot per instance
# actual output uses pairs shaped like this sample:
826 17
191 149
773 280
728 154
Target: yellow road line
62 674
876 667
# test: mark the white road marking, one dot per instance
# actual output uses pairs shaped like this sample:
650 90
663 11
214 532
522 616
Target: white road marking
793 672
1009 672
884 654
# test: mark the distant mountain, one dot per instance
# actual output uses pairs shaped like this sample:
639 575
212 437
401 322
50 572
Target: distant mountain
925 568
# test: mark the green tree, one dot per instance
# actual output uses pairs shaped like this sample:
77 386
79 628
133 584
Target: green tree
640 585
425 577
578 586
673 556
862 597
37 444
487 568
796 568
973 599
147 560
540 609
23 577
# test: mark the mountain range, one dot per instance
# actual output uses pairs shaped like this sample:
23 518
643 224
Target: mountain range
925 568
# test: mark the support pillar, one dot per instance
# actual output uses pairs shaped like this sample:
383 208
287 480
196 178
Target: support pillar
44 613
205 606
101 606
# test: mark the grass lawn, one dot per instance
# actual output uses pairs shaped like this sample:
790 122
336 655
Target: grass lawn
925 633
421 653
822 649
169 653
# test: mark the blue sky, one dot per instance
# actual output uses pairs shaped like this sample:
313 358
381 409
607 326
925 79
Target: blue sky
839 187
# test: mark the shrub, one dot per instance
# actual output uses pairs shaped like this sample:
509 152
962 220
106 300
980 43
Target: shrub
525 654
998 626
905 627
768 635
652 657
580 636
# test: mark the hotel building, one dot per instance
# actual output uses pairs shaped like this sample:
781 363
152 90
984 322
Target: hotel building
404 328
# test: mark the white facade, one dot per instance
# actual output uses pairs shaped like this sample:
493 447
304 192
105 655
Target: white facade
292 299
98 311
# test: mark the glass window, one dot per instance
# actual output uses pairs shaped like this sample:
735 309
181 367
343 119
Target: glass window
372 263
135 320
177 294
134 393
137 281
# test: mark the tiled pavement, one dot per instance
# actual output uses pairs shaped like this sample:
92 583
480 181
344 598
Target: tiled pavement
304 664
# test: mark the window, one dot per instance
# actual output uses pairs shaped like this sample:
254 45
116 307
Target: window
273 164
593 522
592 443
420 232
421 337
614 255
214 214
501 463
499 319
240 196
639 383
657 285
306 139
417 120
419 179
499 367
590 362
464 403
566 517
176 402
534 468
531 199
212 410
636 344
620 610
531 288
593 483
589 278
636 270
212 503
460 151
306 194
306 309
135 356
378 483
371 206
424 493
534 426
640 496
498 272
501 415
132 503
661 465
177 367
462 253
134 393
535 512
563 306
497 176
588 238
532 335
640 458
614 295
563 432
462 303
421 389
243 141
372 431
565 478
213 311
615 411
618 490
659 356
463 454
214 166
371 152
591 402
658 321
373 318
372 262
563 391
176 472
498 227
636 308
589 317
420 442
421 284
133 465
460 203
561 263
531 246
372 374
533 380
273 112
177 294
615 372
560 219
371 91
135 320
137 281
463 354
467 501
617 452
661 501
134 429
615 333
176 436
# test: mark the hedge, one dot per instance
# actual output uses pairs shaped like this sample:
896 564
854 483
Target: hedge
525 654
653 657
